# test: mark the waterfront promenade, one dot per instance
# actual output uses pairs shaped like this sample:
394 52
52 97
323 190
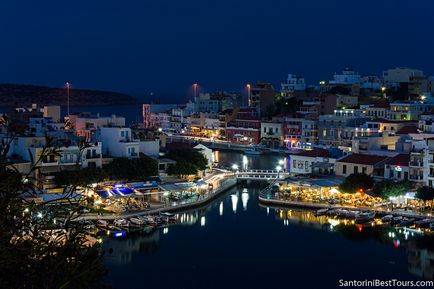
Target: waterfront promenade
316 206
227 182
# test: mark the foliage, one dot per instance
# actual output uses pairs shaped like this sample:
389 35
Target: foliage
81 177
356 182
425 193
388 188
41 246
190 156
131 169
182 169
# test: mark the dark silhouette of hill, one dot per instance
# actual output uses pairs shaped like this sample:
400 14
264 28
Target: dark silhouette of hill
24 94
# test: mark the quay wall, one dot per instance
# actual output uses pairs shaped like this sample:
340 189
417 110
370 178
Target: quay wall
226 185
316 206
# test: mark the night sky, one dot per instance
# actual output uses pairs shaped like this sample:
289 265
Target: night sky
163 46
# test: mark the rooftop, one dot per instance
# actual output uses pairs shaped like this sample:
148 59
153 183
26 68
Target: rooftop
399 160
362 159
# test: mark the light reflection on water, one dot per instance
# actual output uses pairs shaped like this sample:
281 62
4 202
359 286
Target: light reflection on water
284 243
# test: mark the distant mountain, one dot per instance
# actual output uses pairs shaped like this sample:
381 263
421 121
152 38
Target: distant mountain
23 94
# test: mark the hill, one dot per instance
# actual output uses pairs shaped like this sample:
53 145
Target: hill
23 94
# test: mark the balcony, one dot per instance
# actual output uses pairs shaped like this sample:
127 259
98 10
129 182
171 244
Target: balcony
417 164
416 178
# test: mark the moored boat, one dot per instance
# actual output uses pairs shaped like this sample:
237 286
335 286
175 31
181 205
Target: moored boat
102 223
321 212
365 217
137 221
425 223
396 220
387 219
121 223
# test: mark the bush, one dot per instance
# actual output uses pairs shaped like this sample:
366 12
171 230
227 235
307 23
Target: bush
388 188
356 182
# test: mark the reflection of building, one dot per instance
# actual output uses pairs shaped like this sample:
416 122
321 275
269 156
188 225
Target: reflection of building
420 261
123 250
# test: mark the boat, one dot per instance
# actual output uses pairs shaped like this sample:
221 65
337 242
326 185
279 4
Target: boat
102 223
121 223
424 223
352 214
342 214
137 221
332 212
365 217
169 216
321 212
407 222
396 220
387 219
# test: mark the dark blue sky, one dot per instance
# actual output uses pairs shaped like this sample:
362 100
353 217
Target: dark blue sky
138 46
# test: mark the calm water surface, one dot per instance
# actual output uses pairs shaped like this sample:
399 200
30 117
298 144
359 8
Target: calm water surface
237 243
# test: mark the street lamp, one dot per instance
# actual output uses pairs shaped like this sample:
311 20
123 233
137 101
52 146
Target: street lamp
278 168
195 85
248 86
235 167
67 85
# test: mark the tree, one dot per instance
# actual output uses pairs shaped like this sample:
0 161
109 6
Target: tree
182 169
131 169
425 193
389 188
191 156
82 177
41 246
356 183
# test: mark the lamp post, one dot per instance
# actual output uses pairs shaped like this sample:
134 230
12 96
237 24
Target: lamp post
278 168
248 86
195 89
67 85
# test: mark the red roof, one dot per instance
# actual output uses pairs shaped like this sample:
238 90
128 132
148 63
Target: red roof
407 129
317 152
362 159
399 160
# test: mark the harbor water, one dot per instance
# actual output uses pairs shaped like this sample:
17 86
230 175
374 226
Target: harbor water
235 242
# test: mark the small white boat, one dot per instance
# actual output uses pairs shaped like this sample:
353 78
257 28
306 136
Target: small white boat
424 223
387 218
352 214
365 217
121 223
102 223
321 212
137 221
396 220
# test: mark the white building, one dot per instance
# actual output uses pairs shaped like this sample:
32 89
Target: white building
118 142
348 77
393 77
293 83
312 161
86 125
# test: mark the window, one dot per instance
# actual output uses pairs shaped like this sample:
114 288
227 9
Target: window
294 164
356 169
306 166
344 169
364 170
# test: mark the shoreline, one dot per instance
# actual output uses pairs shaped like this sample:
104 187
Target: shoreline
230 182
316 206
